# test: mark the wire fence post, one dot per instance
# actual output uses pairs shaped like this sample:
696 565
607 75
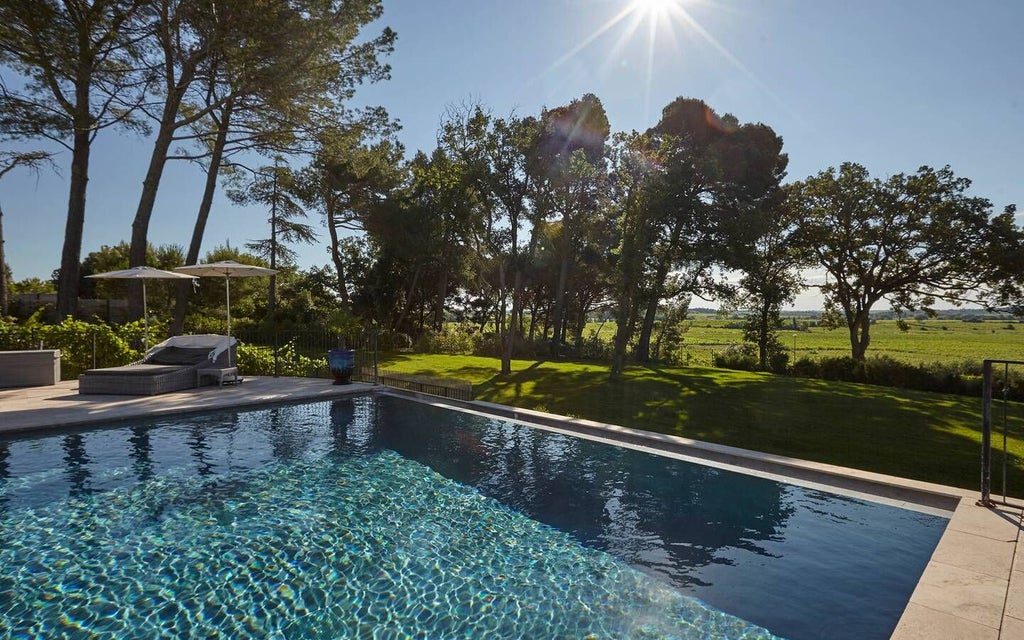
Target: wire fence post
376 360
277 357
986 434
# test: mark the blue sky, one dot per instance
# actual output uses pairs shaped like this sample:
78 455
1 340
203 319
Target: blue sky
892 85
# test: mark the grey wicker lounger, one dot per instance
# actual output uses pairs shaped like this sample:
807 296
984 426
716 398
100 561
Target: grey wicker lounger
172 365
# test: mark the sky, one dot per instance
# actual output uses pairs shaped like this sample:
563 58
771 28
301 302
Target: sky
890 85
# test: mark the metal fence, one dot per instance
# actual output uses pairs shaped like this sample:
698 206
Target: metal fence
444 387
991 416
302 353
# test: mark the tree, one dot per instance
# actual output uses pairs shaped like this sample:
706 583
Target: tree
77 60
714 176
214 57
287 88
908 240
345 182
633 159
10 160
570 155
274 187
771 279
508 144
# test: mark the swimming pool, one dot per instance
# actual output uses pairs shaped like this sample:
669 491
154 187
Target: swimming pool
383 516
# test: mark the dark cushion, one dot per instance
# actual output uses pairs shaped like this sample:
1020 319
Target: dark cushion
133 370
180 355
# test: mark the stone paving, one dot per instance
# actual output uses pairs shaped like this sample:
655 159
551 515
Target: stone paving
973 587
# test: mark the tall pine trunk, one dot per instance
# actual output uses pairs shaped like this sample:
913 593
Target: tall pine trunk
339 265
195 245
3 270
70 257
144 212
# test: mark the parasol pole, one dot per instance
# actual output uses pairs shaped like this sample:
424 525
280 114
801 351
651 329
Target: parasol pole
227 290
145 319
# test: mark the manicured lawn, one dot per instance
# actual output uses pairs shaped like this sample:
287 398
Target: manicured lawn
903 433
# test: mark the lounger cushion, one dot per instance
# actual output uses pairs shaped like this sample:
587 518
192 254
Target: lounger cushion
179 355
134 370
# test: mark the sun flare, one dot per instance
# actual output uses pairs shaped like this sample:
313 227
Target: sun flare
653 9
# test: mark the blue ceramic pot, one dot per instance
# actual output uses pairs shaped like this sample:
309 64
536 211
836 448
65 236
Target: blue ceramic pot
341 362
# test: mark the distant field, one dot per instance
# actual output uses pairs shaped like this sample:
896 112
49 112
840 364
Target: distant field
926 340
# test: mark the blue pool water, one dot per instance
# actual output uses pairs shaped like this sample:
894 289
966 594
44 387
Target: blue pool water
380 517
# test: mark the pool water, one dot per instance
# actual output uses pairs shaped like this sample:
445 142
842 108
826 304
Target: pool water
381 517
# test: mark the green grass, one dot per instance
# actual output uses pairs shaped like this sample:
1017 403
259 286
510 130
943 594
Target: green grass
910 434
925 342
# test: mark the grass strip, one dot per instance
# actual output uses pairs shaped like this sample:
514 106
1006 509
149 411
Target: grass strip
910 434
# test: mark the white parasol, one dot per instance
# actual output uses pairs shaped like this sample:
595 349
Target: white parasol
226 269
143 273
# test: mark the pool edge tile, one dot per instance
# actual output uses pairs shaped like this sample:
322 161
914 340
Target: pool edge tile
924 623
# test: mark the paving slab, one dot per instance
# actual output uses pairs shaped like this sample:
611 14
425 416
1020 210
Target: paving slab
924 623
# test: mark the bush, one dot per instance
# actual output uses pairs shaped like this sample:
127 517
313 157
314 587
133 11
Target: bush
737 356
778 362
962 378
452 339
82 345
258 360
843 368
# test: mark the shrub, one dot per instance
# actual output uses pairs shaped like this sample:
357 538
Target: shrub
258 360
452 339
737 356
805 368
843 368
82 345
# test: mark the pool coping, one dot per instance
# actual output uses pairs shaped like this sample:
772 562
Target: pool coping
972 587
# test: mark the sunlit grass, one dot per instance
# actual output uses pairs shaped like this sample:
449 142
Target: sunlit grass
925 342
910 434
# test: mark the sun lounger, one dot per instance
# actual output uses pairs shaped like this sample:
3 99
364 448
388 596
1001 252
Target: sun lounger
181 362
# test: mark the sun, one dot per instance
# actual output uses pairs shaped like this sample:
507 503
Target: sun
654 9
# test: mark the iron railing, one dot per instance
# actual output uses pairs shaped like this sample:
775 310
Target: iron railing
988 384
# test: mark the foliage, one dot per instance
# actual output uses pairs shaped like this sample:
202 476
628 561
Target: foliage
33 285
461 338
82 345
77 67
960 378
274 187
258 360
908 240
739 356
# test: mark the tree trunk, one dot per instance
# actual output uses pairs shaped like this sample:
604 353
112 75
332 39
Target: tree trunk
515 323
860 335
70 257
439 296
762 336
216 155
339 266
272 294
558 313
3 270
643 346
150 185
408 301
623 310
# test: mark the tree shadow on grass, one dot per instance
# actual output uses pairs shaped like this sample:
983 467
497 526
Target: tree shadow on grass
918 435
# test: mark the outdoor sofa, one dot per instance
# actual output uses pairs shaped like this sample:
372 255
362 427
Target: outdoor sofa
181 362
